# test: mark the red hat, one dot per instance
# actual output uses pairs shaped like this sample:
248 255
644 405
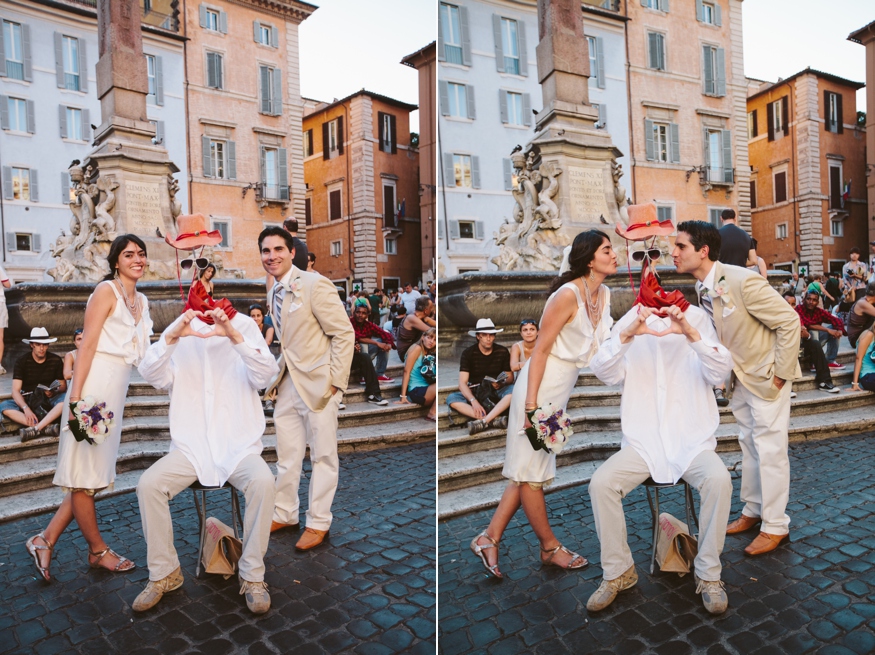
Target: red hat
192 233
644 223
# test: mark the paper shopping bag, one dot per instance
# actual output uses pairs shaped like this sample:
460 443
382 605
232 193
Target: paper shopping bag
675 547
222 550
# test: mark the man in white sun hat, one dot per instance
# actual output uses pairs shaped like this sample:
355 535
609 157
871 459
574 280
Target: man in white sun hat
485 359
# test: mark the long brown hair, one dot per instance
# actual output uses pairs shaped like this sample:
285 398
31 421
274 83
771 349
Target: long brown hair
583 250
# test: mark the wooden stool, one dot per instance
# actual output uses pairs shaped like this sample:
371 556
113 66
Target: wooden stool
201 507
653 501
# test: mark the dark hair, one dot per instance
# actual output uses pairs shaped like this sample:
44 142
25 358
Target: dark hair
528 321
870 289
274 231
400 309
206 268
290 224
812 293
701 234
378 290
256 306
115 250
422 303
753 243
583 251
312 257
855 251
790 294
728 214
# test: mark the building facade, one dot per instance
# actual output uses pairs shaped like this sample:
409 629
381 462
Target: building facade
865 36
362 175
244 121
425 61
687 94
807 157
48 103
489 91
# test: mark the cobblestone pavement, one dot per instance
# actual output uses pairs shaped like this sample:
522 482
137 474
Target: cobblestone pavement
815 595
371 591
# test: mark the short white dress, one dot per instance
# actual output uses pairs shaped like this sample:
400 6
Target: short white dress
573 349
121 345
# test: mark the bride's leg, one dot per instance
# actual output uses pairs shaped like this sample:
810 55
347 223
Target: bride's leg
536 511
507 507
86 518
55 529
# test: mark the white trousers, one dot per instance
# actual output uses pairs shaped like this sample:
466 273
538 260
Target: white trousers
765 475
626 470
296 427
174 473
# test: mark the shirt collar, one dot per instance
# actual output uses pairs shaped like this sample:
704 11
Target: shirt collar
285 279
708 282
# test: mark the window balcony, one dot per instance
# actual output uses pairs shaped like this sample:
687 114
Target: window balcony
272 192
717 176
14 70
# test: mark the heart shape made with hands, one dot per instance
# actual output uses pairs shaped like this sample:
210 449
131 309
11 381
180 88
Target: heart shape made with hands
215 317
674 315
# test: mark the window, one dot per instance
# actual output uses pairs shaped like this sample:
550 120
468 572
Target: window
836 201
836 227
777 118
219 156
714 159
708 12
390 246
779 181
24 242
751 124
70 54
266 34
335 210
510 46
462 170
224 228
832 103
218 161
452 33
753 194
332 138
778 125
212 20
74 123
595 46
660 142
781 231
21 185
214 70
664 213
270 83
12 48
714 216
466 229
308 143
386 132
515 108
17 109
457 100
659 5
337 248
714 71
390 217
274 173
656 50
308 211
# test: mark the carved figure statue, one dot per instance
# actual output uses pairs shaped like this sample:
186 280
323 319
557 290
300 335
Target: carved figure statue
104 223
173 189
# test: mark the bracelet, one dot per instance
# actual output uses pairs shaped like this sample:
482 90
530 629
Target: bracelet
403 396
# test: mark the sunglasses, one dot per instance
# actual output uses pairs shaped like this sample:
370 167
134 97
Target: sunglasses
651 253
527 321
200 262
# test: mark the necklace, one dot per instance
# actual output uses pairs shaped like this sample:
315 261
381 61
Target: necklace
593 307
131 303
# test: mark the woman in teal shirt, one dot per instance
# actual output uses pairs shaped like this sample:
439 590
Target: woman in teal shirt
864 367
420 383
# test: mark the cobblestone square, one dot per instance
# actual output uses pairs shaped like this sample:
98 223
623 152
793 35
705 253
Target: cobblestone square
815 594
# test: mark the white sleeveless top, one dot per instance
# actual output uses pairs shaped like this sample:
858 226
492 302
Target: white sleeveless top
577 341
120 336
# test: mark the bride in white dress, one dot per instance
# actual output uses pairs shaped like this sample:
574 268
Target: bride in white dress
115 337
576 320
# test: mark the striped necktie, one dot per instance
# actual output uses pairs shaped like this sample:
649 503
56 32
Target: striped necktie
279 293
705 301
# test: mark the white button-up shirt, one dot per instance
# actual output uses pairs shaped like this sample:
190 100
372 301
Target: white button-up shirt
216 417
668 410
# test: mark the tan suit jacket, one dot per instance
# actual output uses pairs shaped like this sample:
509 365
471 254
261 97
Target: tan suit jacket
317 339
758 327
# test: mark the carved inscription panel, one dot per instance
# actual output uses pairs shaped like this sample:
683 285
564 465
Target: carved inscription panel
143 207
586 194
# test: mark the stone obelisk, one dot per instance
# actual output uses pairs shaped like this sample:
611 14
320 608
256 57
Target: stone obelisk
125 151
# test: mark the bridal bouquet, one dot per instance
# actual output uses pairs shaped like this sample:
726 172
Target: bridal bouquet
550 429
90 420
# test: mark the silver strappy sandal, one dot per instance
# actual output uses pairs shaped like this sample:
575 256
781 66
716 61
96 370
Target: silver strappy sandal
34 549
574 556
477 549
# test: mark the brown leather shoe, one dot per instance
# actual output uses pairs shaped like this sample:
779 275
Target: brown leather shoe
274 526
742 524
765 543
311 538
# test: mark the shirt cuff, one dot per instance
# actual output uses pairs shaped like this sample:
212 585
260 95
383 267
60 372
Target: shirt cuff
700 346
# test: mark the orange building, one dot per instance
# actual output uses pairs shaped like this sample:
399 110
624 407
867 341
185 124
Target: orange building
362 196
865 36
807 184
244 121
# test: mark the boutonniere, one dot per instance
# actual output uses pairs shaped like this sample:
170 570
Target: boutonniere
721 290
295 288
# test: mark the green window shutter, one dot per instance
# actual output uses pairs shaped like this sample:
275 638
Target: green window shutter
256 31
649 148
83 65
232 160
449 172
700 11
660 49
62 119
34 185
205 146
444 93
28 59
603 115
508 174
265 84
674 136
282 158
4 110
469 96
475 172
652 50
502 103
59 60
728 176
277 92
521 46
440 40
708 70
65 188
159 81
499 52
600 61
36 242
31 122
466 36
527 109
721 72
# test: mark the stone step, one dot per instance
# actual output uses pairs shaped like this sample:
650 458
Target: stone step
467 468
487 495
36 472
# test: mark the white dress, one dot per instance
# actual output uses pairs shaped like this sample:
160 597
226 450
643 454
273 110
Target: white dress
574 347
121 345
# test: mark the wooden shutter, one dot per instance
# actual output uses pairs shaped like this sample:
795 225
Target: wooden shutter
232 160
380 130
310 140
4 109
780 187
202 15
444 93
700 11
449 171
499 51
454 230
753 194
718 19
308 212
389 207
770 120
527 109
785 114
728 175
276 92
325 144
59 60
721 72
660 49
675 143
211 70
466 36
34 185
652 48
31 122
648 140
62 120
36 242
600 61
394 135
706 149
840 118
2 53
440 229
826 119
708 69
502 103
340 135
65 188
283 160
475 172
521 46
478 230
508 174
86 125
205 147
83 64
663 5
261 167
335 209
755 124
274 36
28 58
256 31
10 241
7 185
469 97
159 81
223 22
441 55
835 187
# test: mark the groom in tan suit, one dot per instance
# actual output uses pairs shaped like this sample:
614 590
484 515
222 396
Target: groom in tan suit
317 342
762 332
